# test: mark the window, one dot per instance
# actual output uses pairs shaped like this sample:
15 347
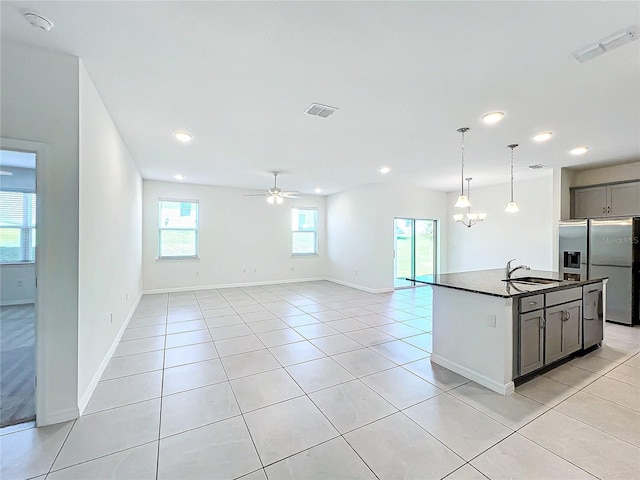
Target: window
17 227
178 229
304 231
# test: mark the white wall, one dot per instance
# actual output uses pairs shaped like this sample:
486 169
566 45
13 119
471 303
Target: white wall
110 249
360 229
39 98
242 240
17 284
614 173
527 236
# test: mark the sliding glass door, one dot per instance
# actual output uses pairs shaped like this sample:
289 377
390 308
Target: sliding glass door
415 250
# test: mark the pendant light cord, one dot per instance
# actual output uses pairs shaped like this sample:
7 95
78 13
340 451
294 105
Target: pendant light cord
462 131
512 147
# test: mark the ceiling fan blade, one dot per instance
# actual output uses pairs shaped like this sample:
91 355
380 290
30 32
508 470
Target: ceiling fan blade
258 195
287 195
290 192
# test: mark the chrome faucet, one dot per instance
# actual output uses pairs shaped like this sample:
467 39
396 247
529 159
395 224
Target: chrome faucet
510 270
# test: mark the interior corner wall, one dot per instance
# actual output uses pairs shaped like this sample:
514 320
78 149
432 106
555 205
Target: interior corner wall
527 236
242 240
39 98
110 248
360 229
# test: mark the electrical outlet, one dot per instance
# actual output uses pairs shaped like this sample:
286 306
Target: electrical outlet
491 321
19 283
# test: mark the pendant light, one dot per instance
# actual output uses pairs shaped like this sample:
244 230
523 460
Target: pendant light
463 200
470 219
512 206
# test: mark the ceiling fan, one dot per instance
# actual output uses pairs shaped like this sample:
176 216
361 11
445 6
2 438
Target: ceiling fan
276 194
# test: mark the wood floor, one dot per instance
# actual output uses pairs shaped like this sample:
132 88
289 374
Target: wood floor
17 364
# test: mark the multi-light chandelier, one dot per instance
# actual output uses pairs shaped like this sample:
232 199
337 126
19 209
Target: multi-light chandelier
470 218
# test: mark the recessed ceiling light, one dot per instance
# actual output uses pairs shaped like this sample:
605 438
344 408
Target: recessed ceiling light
579 151
542 136
183 136
318 190
178 177
492 117
6 172
384 170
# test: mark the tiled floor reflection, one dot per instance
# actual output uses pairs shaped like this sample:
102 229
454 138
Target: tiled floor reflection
316 380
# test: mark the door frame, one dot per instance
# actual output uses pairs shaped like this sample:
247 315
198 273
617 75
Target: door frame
41 151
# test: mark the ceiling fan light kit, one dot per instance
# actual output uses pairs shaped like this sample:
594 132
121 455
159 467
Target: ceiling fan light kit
275 195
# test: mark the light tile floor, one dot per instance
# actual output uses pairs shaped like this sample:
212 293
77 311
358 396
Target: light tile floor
316 380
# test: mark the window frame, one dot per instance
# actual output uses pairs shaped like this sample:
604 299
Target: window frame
27 230
196 229
315 232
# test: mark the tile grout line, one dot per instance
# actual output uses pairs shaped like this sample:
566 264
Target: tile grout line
161 395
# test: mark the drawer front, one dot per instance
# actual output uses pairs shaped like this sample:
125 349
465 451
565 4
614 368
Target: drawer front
564 296
531 303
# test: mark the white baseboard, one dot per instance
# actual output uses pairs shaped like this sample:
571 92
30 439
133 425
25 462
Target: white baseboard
360 287
86 396
502 389
231 285
17 302
56 417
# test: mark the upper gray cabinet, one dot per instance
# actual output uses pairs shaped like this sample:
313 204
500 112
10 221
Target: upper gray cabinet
606 200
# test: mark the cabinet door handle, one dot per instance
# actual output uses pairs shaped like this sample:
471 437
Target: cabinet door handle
533 303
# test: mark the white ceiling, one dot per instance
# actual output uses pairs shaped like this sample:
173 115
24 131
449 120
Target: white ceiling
405 76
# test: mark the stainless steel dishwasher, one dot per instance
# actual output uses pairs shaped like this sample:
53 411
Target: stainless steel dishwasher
592 308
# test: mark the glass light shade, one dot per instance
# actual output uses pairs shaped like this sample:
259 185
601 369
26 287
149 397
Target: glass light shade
271 199
472 216
512 207
279 200
482 217
463 202
458 217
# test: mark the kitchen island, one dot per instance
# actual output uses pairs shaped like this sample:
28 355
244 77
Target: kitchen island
494 331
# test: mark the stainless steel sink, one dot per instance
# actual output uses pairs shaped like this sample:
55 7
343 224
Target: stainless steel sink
532 280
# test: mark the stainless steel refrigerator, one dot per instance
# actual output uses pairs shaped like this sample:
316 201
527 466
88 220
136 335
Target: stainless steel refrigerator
614 252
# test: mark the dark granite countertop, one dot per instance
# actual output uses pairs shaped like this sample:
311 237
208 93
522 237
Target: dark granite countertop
490 282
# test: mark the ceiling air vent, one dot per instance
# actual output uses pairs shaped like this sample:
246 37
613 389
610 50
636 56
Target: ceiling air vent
319 110
537 166
604 45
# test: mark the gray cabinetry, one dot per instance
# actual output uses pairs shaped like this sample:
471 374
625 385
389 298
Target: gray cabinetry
623 199
613 200
590 202
549 328
563 331
531 341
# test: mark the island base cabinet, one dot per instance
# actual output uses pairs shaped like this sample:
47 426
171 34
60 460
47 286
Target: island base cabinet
531 341
563 331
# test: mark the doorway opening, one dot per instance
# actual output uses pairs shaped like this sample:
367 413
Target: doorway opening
17 287
415 248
